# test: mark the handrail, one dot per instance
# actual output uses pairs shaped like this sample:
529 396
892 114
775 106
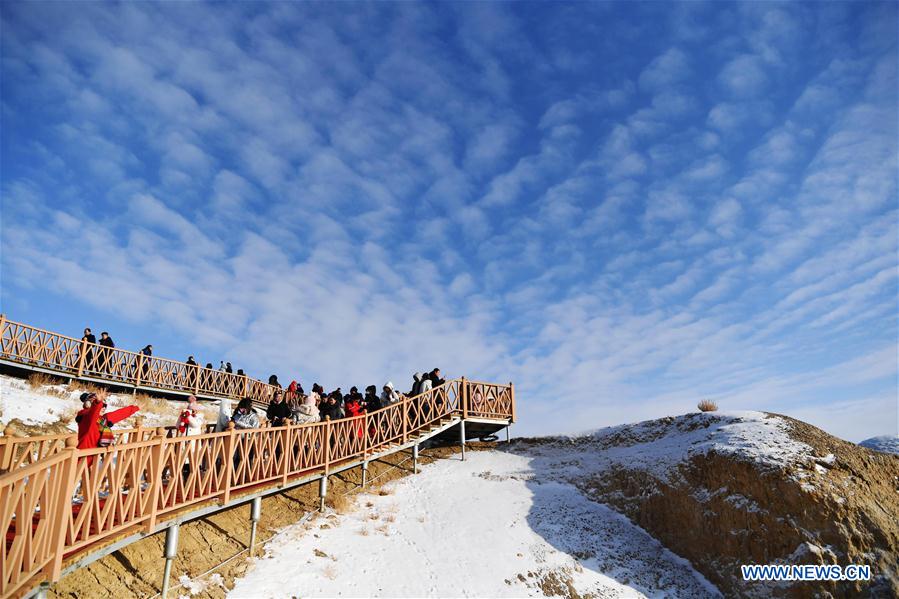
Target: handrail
31 346
63 504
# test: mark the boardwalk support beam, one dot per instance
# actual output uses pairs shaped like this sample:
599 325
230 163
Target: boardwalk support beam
255 512
322 492
364 473
415 459
462 438
171 550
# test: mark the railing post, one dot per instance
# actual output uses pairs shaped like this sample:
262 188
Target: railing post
327 444
2 331
156 471
8 452
63 508
464 390
284 452
512 393
140 368
229 462
246 386
81 357
406 421
365 440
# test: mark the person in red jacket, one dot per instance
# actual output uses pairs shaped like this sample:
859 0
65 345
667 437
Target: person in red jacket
352 407
94 428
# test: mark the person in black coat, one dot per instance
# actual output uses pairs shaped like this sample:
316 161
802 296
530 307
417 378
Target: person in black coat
278 412
105 354
89 350
146 351
329 408
371 400
436 381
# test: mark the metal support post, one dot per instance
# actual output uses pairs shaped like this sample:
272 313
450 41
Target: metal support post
322 492
255 512
462 437
171 550
415 458
364 473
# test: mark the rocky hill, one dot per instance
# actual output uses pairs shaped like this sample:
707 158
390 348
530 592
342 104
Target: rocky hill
726 489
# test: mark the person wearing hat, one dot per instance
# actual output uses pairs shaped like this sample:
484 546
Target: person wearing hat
94 428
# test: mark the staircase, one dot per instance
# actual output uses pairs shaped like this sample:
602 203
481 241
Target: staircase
63 508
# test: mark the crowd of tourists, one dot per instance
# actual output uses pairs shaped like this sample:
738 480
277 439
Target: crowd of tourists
290 406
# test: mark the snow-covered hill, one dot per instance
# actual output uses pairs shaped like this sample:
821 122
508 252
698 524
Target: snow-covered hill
486 527
593 516
885 444
726 489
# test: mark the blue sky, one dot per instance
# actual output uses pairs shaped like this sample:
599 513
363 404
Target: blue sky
623 208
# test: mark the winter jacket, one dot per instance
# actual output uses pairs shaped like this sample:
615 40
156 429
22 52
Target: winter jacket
305 414
334 412
278 413
244 420
416 384
435 380
352 407
223 419
425 386
191 422
94 429
372 402
390 396
108 342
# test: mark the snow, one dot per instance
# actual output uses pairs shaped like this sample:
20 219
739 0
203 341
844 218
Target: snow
51 403
659 446
490 526
885 444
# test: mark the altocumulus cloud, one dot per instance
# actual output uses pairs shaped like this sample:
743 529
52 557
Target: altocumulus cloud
622 208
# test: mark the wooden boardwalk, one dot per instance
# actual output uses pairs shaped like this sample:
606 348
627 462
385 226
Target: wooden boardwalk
62 507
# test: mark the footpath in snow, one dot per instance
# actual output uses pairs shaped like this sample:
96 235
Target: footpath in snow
486 527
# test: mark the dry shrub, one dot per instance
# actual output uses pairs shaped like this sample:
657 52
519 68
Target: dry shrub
60 393
383 491
66 417
390 518
364 532
38 380
707 405
83 387
148 403
339 503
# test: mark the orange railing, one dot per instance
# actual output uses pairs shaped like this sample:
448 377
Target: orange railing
30 346
58 503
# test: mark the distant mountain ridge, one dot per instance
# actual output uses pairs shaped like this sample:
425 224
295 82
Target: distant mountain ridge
885 444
